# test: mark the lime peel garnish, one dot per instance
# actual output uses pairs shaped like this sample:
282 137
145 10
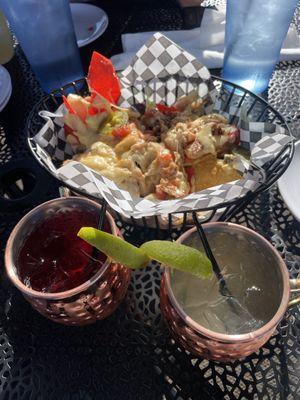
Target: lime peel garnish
179 256
172 254
114 247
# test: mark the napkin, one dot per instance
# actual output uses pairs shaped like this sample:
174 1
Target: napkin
206 43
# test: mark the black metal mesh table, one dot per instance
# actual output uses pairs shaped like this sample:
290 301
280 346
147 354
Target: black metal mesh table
131 355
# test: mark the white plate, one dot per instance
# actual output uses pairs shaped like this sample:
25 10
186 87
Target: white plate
5 87
90 22
289 184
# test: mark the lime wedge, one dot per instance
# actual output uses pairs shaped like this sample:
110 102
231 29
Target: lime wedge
175 255
179 256
114 247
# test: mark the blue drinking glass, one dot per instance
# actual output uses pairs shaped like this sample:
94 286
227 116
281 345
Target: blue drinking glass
45 31
255 32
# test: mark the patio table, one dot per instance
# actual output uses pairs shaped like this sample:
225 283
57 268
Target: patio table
131 355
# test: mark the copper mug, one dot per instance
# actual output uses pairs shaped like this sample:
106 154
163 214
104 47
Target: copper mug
206 343
92 300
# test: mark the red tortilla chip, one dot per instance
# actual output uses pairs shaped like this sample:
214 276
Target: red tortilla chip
102 78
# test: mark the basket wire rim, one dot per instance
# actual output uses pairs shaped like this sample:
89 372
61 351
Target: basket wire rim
289 149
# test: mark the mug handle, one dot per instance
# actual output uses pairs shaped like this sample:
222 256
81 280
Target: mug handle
295 289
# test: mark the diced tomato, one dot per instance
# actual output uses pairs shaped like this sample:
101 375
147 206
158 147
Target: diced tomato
160 194
93 110
69 132
166 109
102 78
165 157
121 131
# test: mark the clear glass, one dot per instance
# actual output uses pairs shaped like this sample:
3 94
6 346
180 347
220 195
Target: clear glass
254 284
255 32
46 33
189 328
6 43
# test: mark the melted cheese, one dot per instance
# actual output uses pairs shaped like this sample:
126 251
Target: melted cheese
211 172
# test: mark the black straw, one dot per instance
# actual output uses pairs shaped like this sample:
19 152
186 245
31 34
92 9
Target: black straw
102 215
95 251
223 287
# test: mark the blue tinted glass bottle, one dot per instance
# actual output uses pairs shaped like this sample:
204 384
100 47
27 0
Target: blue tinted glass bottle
45 31
255 32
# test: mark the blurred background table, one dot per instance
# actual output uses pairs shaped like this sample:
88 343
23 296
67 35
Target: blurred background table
131 355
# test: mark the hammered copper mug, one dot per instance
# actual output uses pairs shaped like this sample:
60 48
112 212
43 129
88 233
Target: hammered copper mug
92 300
203 342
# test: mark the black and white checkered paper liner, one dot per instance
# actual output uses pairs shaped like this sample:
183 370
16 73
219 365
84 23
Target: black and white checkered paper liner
79 176
162 71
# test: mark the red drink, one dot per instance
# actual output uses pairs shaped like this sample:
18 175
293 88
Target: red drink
53 259
58 273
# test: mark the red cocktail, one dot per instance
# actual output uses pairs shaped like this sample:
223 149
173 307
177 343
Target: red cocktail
53 259
60 274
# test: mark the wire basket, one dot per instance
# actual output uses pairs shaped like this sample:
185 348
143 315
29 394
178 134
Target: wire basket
253 107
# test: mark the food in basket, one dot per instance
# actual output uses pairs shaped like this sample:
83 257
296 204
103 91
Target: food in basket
152 150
